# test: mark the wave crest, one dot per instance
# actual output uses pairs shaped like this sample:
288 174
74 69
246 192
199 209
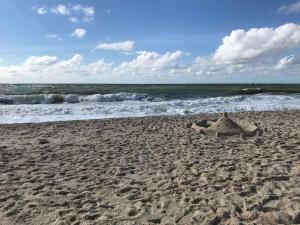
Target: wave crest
70 98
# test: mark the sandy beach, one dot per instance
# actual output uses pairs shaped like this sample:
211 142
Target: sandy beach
152 170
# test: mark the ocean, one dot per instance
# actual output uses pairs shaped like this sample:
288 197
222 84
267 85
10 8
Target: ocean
26 103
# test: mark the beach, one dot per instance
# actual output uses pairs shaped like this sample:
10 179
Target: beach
150 170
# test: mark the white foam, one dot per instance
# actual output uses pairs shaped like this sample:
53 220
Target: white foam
95 109
70 98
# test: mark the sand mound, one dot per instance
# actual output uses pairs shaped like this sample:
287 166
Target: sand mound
226 126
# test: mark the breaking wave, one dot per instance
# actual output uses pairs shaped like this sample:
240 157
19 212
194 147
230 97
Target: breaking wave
70 98
41 108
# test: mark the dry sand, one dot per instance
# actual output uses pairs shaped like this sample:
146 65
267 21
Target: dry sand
150 170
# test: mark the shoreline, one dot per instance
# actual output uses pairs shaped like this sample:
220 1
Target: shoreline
150 170
213 114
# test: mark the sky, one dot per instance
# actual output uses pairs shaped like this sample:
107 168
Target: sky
157 41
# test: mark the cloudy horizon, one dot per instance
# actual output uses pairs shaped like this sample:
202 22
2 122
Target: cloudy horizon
109 42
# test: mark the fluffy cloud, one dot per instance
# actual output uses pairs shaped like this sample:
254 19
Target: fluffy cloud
88 13
149 63
117 46
75 13
32 65
61 10
79 33
287 62
49 69
245 46
147 67
40 61
254 53
290 9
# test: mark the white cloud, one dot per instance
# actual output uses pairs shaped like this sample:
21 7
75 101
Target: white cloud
61 10
243 55
40 10
149 63
34 63
287 62
79 33
54 36
88 11
48 69
40 61
99 67
75 13
147 67
245 46
117 46
73 19
290 9
77 8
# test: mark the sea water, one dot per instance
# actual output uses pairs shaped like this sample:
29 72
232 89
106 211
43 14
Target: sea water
24 103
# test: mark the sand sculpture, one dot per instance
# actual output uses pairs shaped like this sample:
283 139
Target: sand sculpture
227 127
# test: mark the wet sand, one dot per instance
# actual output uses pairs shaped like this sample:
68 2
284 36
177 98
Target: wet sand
152 170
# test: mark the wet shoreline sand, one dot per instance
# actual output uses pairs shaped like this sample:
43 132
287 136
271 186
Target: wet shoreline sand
152 170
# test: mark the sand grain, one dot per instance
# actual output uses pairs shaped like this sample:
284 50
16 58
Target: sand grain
150 170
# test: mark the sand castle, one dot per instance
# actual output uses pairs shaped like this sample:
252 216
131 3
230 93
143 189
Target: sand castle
227 127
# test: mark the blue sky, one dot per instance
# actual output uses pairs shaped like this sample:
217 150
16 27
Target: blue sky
140 41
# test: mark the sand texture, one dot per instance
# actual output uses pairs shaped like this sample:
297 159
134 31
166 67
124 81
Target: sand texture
152 170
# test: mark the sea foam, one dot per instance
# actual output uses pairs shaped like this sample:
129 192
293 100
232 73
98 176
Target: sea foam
42 108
